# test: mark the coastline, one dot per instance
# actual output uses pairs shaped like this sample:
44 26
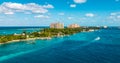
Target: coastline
28 39
42 38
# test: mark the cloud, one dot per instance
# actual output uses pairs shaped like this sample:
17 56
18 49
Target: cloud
9 13
80 1
61 14
11 8
111 17
89 15
70 18
118 16
41 16
73 5
48 6
115 16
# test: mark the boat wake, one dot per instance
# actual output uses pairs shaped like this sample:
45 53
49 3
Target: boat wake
97 38
88 43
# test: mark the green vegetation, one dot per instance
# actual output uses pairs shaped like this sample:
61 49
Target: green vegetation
47 32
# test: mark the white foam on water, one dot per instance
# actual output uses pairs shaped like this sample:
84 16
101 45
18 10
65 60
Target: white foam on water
88 43
97 38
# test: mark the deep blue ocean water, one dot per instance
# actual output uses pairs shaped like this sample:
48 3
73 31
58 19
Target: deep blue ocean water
102 46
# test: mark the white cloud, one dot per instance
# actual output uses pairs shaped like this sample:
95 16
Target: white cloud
118 16
70 18
61 14
9 13
41 16
73 5
89 15
115 16
48 6
10 8
80 1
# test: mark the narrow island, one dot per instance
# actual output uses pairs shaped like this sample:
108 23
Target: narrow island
46 33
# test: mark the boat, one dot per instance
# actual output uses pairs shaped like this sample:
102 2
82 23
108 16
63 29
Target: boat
98 38
105 26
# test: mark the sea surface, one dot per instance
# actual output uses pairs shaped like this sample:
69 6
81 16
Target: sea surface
101 46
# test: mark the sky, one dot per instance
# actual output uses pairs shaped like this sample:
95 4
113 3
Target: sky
44 12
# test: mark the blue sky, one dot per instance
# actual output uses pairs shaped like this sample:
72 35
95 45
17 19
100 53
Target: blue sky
44 12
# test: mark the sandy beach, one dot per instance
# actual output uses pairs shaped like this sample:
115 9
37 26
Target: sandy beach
42 38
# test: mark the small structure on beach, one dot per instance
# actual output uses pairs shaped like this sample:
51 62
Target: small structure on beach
74 26
57 25
15 34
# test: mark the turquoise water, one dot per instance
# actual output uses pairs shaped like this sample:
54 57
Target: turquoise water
102 46
18 30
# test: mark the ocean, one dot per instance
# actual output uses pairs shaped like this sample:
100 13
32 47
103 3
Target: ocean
101 46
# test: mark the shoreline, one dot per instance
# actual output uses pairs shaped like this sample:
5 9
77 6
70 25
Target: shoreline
28 39
42 38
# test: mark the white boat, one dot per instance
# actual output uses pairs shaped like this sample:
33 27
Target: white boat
98 38
105 26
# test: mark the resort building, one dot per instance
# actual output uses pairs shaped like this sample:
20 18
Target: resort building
74 26
57 25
